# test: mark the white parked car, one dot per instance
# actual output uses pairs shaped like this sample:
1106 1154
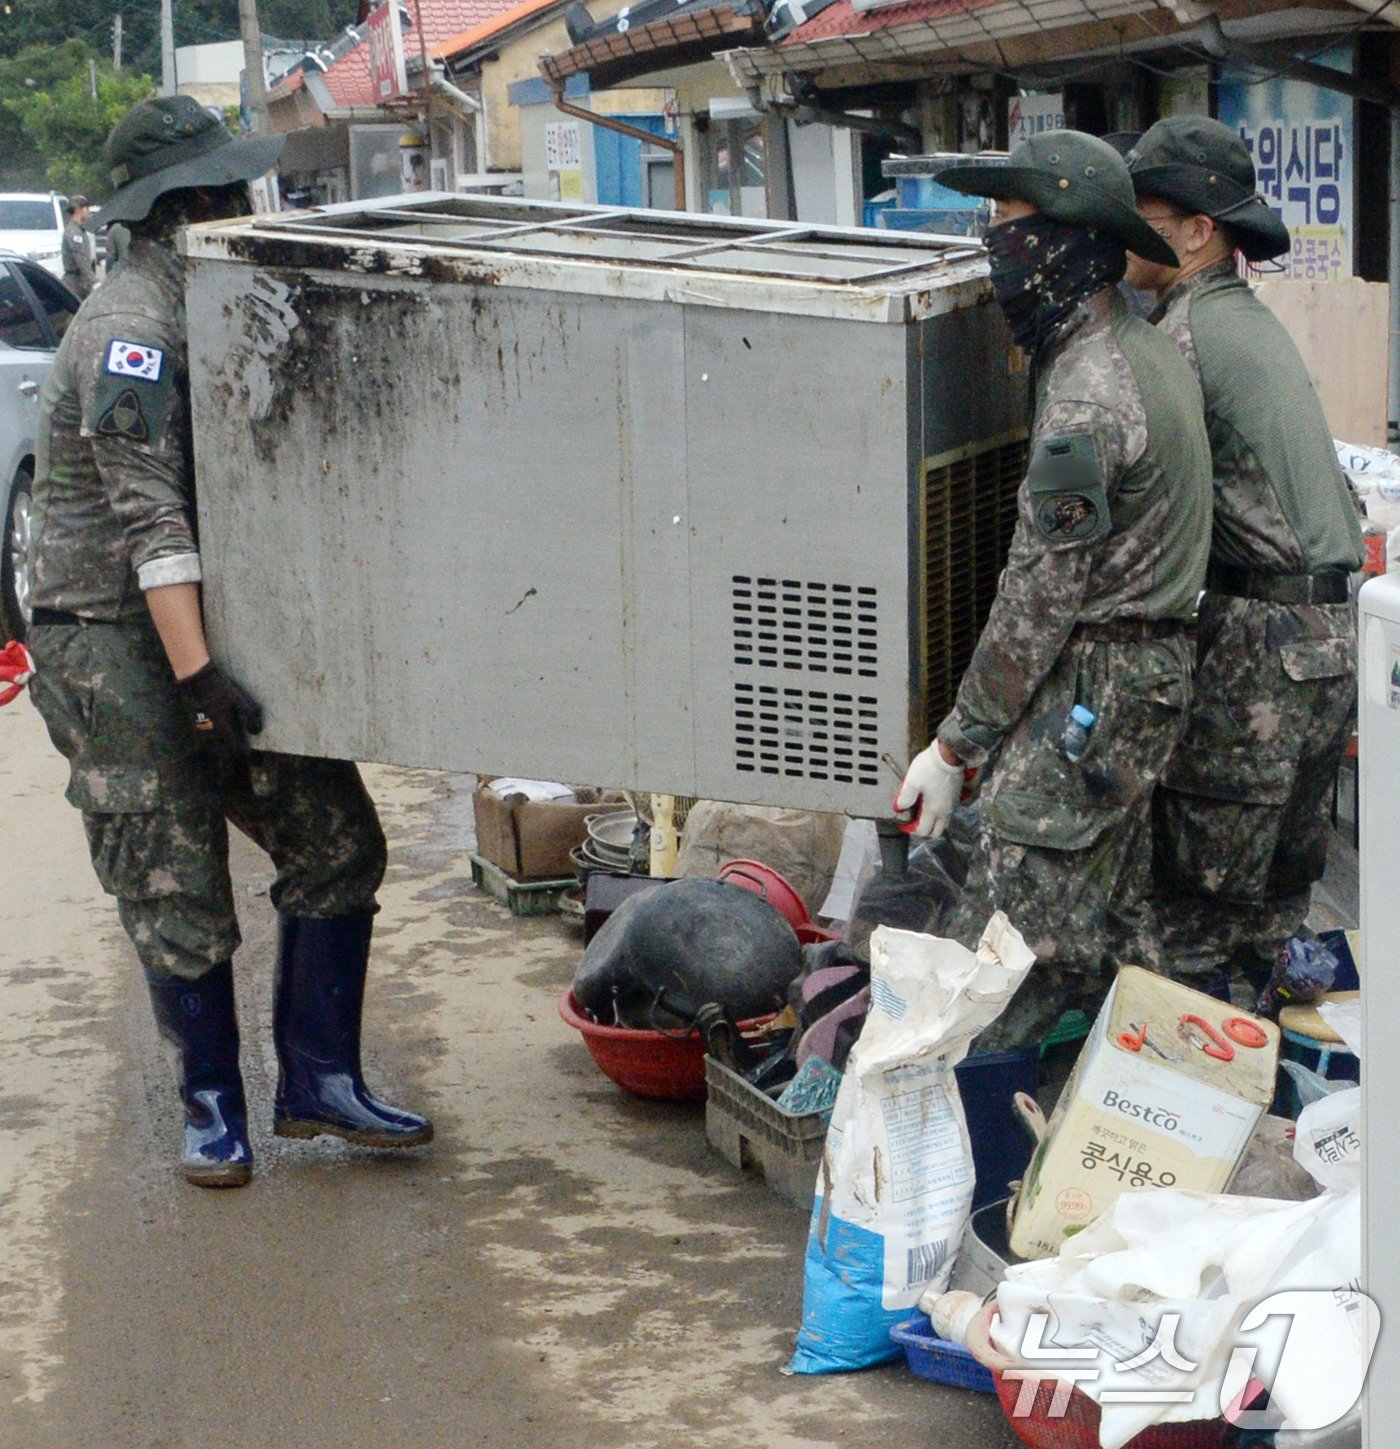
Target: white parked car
31 223
35 309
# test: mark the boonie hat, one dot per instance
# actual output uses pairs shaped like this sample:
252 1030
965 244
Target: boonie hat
167 143
1203 167
1072 177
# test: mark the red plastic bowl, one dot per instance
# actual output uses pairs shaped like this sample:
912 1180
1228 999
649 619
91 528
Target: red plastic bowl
646 1063
1078 1426
764 881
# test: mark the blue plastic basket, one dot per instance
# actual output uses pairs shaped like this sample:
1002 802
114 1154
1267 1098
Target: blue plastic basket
936 1358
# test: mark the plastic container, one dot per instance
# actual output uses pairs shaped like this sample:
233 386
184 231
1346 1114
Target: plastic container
1001 1146
651 1064
522 897
764 881
931 1357
1078 1426
751 1132
1075 740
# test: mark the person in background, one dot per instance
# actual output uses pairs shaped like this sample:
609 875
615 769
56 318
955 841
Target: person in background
1078 689
156 733
79 274
1240 819
118 243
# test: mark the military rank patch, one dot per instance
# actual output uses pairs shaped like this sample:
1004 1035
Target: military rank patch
124 418
1069 500
135 359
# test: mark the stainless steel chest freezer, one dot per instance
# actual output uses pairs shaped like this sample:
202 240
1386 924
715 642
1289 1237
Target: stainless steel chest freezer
667 502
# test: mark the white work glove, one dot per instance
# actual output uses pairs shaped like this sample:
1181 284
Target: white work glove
935 787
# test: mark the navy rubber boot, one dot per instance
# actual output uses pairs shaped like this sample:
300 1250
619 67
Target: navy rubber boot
199 1018
318 999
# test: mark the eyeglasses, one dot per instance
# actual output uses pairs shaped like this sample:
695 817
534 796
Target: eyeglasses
1163 225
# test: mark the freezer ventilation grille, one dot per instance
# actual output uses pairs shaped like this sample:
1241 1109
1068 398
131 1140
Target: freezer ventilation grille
815 627
969 517
808 734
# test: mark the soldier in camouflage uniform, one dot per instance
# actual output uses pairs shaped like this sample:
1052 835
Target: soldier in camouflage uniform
79 275
156 734
1240 822
1095 603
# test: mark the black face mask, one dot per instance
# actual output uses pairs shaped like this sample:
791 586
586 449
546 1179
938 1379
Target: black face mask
1043 269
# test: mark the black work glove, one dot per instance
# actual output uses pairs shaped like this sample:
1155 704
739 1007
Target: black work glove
223 715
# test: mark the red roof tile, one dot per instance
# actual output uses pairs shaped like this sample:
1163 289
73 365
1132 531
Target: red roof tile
841 19
348 80
520 10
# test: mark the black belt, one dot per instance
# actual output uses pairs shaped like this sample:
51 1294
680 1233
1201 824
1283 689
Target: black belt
62 616
1326 586
1127 631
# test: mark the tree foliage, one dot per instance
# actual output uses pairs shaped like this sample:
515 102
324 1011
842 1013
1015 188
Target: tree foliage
51 128
67 124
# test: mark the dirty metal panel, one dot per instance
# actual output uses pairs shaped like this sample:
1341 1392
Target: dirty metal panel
799 558
831 272
437 521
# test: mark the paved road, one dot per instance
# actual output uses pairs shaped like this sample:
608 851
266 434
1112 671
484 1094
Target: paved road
564 1267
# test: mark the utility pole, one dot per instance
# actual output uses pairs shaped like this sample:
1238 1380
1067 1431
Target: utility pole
253 62
167 47
117 42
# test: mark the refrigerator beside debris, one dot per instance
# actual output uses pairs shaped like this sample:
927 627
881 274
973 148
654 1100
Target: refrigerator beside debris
692 505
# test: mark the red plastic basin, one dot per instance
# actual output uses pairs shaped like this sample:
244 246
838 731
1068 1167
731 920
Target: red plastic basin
646 1063
1078 1426
764 881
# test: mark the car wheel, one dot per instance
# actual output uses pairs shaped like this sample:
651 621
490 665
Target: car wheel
14 559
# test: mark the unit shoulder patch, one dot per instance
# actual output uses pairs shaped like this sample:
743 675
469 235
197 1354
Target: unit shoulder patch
1069 498
133 406
124 418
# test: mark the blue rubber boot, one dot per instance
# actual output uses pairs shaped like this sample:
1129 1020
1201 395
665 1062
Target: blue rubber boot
199 1019
318 999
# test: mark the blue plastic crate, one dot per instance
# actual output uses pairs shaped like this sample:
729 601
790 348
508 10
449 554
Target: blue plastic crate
931 1357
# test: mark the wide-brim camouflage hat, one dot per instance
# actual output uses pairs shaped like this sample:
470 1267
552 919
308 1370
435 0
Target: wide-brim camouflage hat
168 143
1072 177
1204 168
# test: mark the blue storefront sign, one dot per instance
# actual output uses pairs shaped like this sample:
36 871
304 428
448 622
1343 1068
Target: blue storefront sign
1302 139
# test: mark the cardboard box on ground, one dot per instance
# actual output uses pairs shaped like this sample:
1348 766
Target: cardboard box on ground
531 839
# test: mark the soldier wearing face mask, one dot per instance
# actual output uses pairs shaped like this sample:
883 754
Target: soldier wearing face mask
1094 608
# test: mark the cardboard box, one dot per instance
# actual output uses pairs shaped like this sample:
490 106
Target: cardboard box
531 840
1147 1105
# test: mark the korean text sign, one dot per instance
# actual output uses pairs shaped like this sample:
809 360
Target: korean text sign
1301 138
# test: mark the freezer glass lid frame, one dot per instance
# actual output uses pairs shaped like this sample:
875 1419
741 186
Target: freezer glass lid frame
681 240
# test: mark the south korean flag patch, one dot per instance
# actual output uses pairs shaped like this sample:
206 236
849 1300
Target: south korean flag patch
135 359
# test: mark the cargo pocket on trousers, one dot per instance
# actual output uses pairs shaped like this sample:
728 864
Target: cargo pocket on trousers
1050 824
127 833
1317 659
1219 818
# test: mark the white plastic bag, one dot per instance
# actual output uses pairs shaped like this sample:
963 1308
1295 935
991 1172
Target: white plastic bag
1168 1305
1328 1139
896 1182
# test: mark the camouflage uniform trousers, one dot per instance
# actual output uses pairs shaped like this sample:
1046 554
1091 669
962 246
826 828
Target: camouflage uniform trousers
156 813
1064 848
1240 825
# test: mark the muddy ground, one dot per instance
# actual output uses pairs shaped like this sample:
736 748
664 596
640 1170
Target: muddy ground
565 1266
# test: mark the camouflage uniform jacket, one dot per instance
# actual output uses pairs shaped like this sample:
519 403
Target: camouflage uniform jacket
1117 407
1281 501
78 272
113 503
